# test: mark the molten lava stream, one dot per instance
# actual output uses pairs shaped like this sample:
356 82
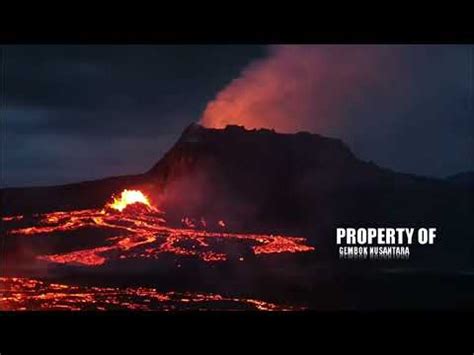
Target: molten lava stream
20 294
142 233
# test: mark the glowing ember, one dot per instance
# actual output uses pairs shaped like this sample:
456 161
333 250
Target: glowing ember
12 218
33 295
188 222
128 197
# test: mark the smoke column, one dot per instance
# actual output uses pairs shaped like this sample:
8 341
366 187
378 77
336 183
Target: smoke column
298 88
397 105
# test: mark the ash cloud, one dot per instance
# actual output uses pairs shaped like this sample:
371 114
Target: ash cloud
397 105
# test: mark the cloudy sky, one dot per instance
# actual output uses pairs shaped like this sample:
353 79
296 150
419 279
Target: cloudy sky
83 112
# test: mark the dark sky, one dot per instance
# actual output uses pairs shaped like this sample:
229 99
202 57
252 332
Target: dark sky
83 112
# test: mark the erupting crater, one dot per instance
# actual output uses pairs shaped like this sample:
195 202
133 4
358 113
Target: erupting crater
128 198
140 231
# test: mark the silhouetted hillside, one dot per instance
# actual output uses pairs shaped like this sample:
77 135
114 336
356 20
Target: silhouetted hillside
263 180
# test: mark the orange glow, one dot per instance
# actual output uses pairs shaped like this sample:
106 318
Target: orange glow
188 222
12 218
24 294
128 197
143 234
138 231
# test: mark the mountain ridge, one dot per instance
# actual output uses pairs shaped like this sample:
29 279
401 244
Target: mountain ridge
261 180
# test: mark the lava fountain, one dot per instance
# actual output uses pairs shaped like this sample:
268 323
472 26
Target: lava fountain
138 231
128 197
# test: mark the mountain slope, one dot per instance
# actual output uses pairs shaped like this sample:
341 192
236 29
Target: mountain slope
261 180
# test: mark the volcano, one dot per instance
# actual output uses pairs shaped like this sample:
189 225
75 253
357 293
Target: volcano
281 195
263 180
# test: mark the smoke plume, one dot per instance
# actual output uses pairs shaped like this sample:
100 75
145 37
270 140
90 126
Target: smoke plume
373 97
298 88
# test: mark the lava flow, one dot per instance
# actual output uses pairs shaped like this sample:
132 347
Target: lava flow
139 230
25 294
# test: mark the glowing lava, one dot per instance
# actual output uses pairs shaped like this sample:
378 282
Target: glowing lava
26 294
142 233
128 197
135 230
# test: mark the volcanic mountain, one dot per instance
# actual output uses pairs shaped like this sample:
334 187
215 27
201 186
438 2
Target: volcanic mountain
294 183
